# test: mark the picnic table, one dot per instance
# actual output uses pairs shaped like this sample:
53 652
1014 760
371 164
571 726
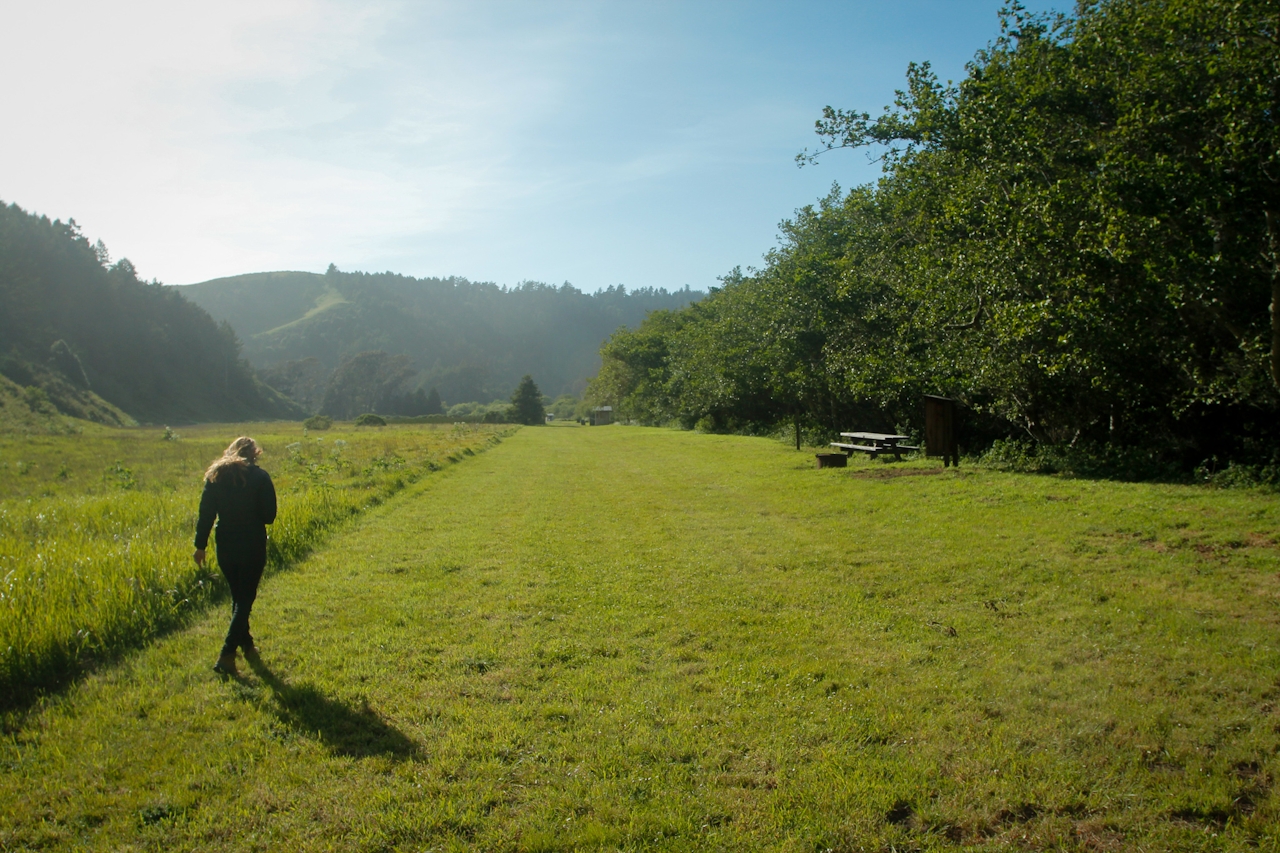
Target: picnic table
875 443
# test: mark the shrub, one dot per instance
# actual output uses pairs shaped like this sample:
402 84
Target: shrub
1082 460
318 422
370 419
478 411
37 400
1241 475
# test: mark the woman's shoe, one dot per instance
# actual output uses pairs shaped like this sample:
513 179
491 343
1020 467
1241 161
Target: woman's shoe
226 664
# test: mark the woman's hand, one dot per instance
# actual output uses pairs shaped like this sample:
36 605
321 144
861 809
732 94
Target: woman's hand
198 556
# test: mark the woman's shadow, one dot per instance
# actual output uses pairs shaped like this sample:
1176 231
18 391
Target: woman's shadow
345 730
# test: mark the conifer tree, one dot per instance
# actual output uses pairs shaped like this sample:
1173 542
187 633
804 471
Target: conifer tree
526 403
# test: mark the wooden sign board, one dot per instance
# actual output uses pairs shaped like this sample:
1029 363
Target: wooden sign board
940 429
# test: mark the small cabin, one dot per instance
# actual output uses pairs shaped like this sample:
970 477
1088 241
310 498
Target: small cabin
601 415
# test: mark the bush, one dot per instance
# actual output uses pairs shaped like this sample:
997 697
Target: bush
370 419
318 422
37 400
478 411
1082 460
564 407
1237 475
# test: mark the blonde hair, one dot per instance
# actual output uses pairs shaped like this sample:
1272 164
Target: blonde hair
238 456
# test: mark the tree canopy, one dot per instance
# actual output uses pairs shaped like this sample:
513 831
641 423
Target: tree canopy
1079 241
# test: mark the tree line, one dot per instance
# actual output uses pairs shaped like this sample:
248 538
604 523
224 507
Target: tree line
101 343
470 341
1080 241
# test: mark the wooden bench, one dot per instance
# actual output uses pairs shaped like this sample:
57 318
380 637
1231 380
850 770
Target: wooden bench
850 448
877 443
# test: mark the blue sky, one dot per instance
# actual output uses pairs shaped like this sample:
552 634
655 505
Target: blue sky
640 143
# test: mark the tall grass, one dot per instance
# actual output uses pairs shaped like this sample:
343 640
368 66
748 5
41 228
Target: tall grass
93 563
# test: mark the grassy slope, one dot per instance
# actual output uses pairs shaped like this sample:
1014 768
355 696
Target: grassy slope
17 415
644 639
274 299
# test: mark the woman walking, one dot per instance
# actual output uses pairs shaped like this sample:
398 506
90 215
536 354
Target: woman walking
242 498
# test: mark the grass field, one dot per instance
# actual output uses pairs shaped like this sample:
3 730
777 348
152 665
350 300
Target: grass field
623 638
96 527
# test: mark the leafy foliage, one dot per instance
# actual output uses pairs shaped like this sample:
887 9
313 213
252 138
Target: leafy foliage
433 405
50 393
365 382
1079 241
304 381
493 412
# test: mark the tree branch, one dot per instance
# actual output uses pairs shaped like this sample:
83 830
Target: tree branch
1275 298
977 316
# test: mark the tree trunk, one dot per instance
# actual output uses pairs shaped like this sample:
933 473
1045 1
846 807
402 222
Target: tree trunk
1275 299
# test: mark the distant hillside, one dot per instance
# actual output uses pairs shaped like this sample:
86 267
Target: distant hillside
26 409
469 340
102 345
38 399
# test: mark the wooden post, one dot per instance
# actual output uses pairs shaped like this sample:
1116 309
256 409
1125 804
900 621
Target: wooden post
797 432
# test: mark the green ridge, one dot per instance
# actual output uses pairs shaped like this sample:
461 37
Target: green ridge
329 299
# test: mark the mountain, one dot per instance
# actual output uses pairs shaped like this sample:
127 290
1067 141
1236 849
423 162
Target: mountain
101 344
472 341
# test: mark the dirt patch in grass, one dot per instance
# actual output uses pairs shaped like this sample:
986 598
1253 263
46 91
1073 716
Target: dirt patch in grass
893 473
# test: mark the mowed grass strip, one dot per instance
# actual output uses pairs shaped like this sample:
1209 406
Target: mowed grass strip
621 638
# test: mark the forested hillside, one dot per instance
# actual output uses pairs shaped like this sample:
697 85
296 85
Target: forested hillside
1080 241
97 342
469 340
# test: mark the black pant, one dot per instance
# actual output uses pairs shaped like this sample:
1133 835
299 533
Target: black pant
242 576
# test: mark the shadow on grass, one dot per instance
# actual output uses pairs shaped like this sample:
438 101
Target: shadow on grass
357 732
22 692
18 698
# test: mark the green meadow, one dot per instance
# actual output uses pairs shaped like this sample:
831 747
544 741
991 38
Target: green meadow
622 638
96 527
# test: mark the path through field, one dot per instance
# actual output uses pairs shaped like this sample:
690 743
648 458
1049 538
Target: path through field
622 638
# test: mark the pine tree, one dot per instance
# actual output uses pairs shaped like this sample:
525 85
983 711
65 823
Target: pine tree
526 403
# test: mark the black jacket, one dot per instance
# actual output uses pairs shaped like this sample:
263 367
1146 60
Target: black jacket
243 508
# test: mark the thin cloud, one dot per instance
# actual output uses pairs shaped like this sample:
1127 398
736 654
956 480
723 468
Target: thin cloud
597 142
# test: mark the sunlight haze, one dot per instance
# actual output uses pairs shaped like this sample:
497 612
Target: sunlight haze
648 144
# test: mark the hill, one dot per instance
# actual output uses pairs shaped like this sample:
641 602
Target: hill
470 340
43 403
99 342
